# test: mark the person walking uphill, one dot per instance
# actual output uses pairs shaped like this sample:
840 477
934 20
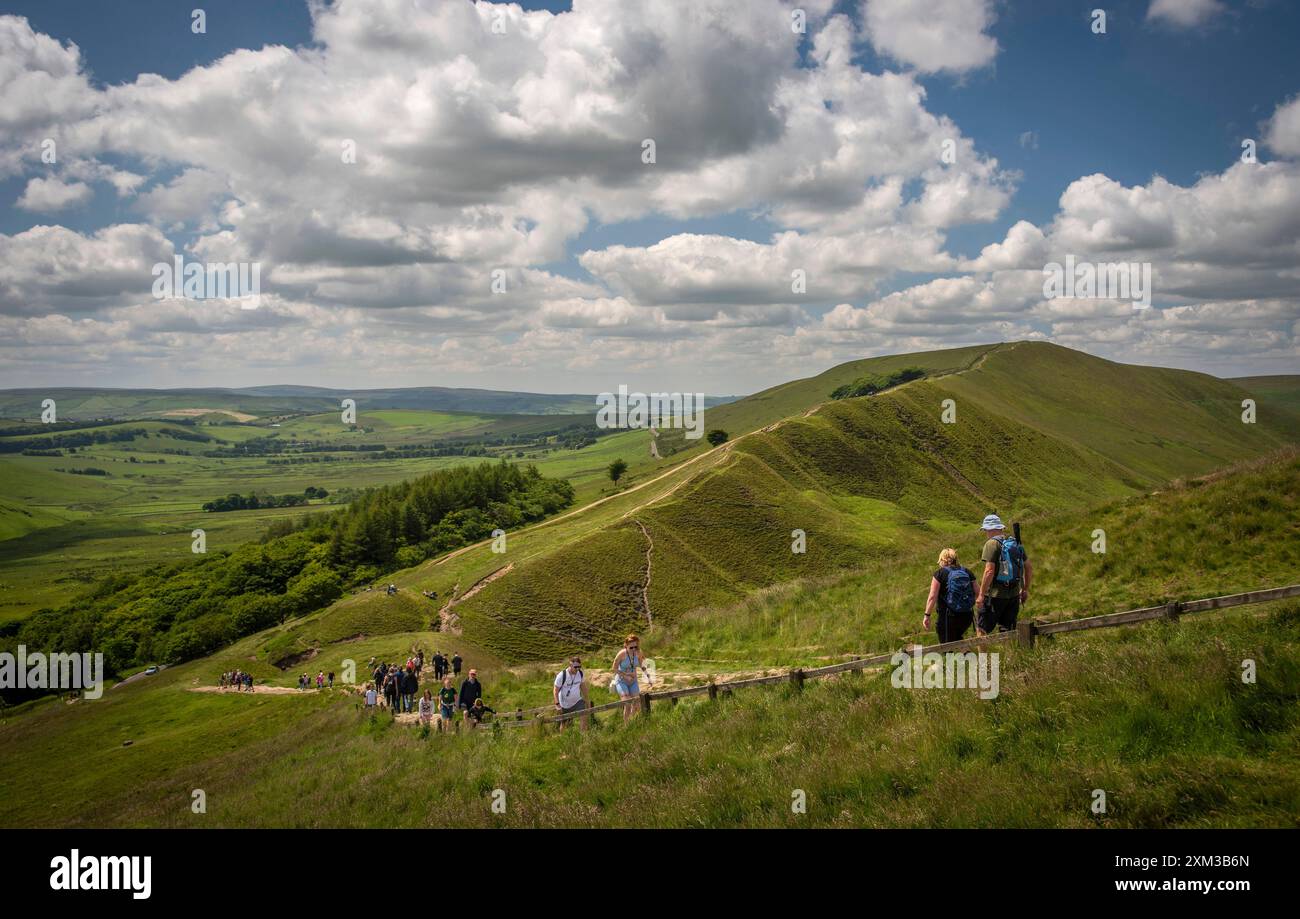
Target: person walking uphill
626 664
1006 580
952 594
470 690
570 691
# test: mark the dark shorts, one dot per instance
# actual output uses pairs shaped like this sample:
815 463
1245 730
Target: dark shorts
578 706
999 613
952 626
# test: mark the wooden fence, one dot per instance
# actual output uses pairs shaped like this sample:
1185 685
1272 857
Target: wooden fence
1026 634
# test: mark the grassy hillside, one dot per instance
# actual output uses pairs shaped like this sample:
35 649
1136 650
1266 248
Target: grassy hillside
1274 394
1038 429
1156 715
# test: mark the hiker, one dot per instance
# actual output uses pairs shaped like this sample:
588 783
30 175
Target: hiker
410 686
570 692
446 704
1005 584
320 680
952 593
330 679
474 714
626 663
390 691
455 663
426 708
248 681
372 697
470 690
439 665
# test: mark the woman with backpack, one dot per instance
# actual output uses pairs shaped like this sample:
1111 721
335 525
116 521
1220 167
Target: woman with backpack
952 594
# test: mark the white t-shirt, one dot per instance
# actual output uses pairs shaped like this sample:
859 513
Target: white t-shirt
570 687
370 697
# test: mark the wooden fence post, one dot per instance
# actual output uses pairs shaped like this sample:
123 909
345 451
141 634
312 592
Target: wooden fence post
1026 631
645 703
1172 610
713 691
796 677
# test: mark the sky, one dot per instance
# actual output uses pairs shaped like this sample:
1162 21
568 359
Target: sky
684 195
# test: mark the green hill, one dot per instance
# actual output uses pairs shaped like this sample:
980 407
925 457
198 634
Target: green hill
1156 715
1038 429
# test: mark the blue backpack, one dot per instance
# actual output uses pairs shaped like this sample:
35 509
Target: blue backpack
960 596
1011 561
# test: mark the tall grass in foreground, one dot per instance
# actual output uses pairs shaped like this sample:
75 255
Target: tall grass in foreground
1157 716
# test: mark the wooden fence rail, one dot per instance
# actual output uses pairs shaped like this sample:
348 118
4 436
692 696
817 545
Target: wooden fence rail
1025 634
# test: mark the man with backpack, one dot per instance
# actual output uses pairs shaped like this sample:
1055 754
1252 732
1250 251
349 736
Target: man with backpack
1005 584
952 594
570 691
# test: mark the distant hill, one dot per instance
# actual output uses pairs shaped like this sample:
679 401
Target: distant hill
78 404
264 401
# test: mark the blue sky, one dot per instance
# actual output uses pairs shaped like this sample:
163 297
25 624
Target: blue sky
1155 96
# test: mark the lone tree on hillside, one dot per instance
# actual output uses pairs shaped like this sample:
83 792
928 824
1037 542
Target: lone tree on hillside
616 470
717 437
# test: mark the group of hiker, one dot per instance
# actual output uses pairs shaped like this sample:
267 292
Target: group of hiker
237 680
397 684
323 680
397 688
992 601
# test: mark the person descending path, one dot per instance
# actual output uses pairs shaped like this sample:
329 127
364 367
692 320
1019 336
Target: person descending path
626 664
426 708
952 592
455 663
1005 584
390 690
